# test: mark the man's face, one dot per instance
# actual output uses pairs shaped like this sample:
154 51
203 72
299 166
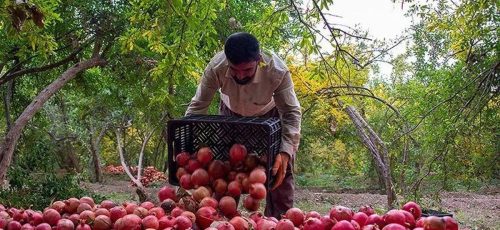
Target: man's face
244 72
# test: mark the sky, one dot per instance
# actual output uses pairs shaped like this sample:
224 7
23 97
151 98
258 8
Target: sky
383 19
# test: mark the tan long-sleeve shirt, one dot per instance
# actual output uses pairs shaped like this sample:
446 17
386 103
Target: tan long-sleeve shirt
271 87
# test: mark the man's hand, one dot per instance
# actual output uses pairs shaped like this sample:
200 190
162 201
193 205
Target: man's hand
279 168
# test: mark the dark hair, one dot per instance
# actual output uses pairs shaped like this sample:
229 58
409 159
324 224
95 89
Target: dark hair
242 47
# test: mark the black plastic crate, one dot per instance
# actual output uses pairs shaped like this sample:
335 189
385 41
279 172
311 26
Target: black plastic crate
430 212
259 135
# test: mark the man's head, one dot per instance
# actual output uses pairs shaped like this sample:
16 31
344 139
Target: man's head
243 52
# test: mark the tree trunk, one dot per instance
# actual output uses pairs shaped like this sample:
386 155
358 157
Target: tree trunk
8 144
378 151
96 162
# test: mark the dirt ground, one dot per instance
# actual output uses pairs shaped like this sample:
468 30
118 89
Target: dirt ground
472 210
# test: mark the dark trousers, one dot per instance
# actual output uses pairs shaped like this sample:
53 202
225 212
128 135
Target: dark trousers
281 199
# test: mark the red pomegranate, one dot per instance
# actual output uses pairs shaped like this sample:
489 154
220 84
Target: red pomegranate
182 159
296 216
341 213
413 208
237 153
204 155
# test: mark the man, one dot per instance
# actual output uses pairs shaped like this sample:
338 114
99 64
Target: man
258 84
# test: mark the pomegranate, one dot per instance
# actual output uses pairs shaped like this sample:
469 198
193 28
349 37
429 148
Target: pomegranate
204 155
451 224
257 176
376 220
65 224
29 227
371 227
251 204
140 212
239 223
156 211
165 222
313 223
237 153
58 206
200 178
258 191
51 216
200 193
128 222
234 189
167 205
150 222
360 218
409 219
82 226
220 186
116 213
394 217
413 208
35 218
341 213
189 215
216 169
394 227
256 216
87 200
176 212
107 204
192 165
240 176
44 226
251 161
367 209
205 216
75 218
71 205
313 214
264 224
21 216
209 202
224 225
434 223
420 222
327 222
343 225
14 225
83 207
355 225
285 224
102 222
180 172
296 216
147 205
167 192
227 205
87 216
245 185
101 211
182 223
182 158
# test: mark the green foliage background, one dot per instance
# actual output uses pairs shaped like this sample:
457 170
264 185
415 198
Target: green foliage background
445 89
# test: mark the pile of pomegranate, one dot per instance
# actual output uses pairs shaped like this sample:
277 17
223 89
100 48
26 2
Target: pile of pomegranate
208 199
149 175
216 181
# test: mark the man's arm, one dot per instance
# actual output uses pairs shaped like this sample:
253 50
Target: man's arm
204 93
289 108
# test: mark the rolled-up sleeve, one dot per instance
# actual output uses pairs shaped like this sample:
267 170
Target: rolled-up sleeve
204 93
289 107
